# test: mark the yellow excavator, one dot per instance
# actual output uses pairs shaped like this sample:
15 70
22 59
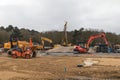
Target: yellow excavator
43 39
42 47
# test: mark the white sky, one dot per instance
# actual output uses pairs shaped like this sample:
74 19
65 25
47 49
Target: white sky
43 15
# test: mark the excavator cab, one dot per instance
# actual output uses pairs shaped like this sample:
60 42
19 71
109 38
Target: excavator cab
80 48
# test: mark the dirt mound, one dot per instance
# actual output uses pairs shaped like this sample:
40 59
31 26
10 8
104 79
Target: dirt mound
61 49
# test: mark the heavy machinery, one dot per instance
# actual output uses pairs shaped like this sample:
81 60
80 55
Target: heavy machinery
65 37
19 48
42 46
7 45
39 47
116 48
43 39
23 51
81 49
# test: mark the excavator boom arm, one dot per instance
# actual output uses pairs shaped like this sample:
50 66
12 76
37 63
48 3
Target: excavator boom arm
46 39
101 35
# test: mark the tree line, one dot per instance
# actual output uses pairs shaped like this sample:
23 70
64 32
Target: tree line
75 36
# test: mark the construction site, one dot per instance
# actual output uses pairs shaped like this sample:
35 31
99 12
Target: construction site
23 60
59 40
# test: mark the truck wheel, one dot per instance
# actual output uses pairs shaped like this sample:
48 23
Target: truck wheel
27 56
14 56
34 54
9 52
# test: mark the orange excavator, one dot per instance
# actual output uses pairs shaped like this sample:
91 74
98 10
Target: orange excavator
80 49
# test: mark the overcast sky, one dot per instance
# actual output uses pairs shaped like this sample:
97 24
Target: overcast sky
43 15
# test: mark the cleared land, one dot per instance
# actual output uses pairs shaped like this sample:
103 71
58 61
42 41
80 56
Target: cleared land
59 67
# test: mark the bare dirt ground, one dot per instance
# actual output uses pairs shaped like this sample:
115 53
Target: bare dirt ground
59 68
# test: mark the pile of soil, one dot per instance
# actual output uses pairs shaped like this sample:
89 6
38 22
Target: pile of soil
61 49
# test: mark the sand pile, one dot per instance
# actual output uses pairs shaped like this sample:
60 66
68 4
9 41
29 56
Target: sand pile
61 49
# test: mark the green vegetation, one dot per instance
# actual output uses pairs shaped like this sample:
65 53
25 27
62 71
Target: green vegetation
75 36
